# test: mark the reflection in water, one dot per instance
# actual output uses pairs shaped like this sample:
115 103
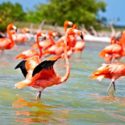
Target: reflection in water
36 112
119 103
109 99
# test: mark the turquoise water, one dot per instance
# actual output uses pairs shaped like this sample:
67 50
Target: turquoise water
79 101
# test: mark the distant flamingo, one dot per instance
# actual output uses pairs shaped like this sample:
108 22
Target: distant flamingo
8 43
32 52
115 50
43 75
80 45
58 48
20 38
66 24
47 42
111 71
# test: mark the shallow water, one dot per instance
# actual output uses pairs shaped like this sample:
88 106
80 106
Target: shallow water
79 101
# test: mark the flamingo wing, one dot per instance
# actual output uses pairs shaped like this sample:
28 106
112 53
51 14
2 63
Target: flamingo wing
117 68
22 67
47 64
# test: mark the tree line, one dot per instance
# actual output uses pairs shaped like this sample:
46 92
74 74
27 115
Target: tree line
54 12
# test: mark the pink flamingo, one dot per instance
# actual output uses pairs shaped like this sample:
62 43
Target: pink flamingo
8 43
32 52
58 48
44 75
47 42
115 50
111 71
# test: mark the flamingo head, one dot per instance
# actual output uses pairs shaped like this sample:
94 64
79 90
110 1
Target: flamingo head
51 33
11 27
79 33
67 23
42 35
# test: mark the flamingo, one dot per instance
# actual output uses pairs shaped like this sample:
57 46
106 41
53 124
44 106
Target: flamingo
32 52
111 71
47 42
58 48
20 38
115 50
80 45
8 43
66 24
44 75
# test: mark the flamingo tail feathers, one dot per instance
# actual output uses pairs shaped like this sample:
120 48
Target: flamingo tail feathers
22 84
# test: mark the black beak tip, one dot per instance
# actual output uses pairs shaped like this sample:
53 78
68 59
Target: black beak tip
82 36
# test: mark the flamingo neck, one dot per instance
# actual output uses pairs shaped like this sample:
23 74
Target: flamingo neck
65 77
11 38
122 42
40 48
51 40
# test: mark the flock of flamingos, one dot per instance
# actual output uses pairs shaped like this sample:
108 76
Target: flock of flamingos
39 72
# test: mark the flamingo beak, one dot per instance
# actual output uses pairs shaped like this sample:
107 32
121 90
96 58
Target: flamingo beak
14 27
43 37
81 35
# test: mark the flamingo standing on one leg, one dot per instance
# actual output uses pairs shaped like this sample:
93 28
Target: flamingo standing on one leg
8 43
44 75
111 71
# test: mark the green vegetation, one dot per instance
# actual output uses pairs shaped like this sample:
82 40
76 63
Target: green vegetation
54 12
10 13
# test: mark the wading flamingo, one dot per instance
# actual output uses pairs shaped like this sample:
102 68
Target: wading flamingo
79 46
47 42
43 75
8 43
114 51
58 48
111 71
32 52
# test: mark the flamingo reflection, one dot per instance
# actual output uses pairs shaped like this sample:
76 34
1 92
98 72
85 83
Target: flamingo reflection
29 112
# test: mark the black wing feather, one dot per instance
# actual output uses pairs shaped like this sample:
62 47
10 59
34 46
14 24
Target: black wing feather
43 65
22 67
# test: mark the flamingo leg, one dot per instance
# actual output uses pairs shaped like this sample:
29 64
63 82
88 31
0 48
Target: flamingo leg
39 94
114 85
111 88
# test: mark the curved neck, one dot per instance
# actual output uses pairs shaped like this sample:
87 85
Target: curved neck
11 38
51 39
65 77
40 48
